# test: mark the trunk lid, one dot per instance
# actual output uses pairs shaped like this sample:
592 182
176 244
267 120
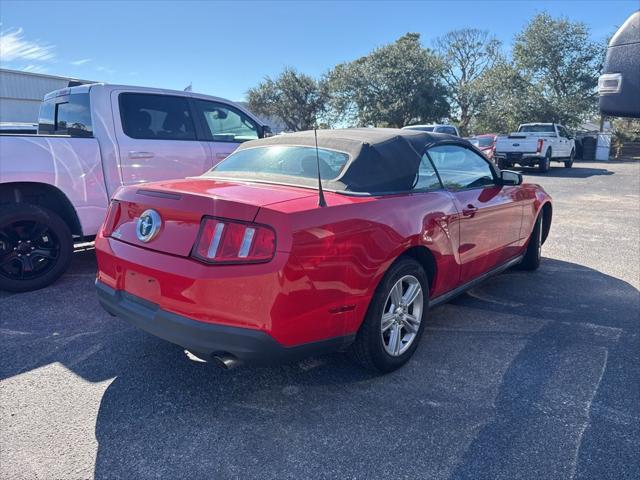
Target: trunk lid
181 204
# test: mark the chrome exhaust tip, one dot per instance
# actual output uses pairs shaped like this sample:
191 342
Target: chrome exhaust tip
226 360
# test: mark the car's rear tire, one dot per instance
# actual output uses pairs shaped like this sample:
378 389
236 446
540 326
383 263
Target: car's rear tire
502 164
393 325
569 163
36 247
545 162
533 253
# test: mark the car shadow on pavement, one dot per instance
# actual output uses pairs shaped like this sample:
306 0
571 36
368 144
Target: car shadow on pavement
544 362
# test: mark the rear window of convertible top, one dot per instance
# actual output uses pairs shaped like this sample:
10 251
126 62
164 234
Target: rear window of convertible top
281 163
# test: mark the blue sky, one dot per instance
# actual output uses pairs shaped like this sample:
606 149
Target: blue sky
224 48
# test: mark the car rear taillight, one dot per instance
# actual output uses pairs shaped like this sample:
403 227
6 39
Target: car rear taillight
113 216
229 241
540 143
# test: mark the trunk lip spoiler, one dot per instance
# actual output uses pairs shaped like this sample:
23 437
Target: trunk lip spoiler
159 194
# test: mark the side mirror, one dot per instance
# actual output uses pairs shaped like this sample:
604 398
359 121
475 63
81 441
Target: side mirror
266 131
510 178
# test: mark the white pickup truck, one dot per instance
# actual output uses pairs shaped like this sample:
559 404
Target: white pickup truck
55 186
536 144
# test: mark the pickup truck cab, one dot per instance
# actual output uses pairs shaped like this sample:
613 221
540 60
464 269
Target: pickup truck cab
55 186
536 144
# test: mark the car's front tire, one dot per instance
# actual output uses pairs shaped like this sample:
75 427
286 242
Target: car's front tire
395 320
36 247
533 253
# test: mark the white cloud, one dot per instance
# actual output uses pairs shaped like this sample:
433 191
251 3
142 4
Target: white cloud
34 69
13 46
105 70
82 61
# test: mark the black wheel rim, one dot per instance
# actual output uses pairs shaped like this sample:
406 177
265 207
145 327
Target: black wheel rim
28 249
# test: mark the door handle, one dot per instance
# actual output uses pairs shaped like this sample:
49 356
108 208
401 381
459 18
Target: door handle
221 155
469 211
133 154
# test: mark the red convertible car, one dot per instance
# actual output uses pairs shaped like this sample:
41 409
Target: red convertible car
254 262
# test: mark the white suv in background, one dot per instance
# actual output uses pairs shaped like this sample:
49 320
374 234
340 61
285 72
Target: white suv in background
436 128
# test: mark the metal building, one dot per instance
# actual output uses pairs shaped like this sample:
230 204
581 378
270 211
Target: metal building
22 92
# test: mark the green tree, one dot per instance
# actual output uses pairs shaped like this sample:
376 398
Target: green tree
560 59
393 86
295 98
466 55
511 99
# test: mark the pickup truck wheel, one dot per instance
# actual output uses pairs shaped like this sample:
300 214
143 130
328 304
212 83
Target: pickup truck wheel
502 164
36 247
395 320
569 163
545 162
533 253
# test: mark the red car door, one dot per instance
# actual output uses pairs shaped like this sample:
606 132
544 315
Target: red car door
490 214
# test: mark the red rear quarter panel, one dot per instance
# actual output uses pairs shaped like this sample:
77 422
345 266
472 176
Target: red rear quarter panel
346 248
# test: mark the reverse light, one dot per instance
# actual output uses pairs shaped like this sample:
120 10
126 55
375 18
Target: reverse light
540 143
609 83
228 241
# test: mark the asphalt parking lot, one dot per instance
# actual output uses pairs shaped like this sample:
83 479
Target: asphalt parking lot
531 375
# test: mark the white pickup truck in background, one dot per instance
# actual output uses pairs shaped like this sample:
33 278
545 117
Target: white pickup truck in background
55 186
536 144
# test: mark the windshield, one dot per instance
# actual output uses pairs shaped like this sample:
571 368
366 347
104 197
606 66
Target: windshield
537 128
281 163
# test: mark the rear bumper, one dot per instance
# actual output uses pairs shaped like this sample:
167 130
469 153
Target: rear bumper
519 158
206 339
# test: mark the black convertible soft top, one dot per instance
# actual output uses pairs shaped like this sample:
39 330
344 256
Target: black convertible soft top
380 159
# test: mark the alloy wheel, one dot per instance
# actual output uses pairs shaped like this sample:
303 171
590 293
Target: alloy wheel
28 249
402 315
540 238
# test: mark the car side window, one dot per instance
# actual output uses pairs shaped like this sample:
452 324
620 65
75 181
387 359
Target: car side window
461 168
226 124
427 177
157 117
67 115
448 130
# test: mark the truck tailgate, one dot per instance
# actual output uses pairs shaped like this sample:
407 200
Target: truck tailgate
517 144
